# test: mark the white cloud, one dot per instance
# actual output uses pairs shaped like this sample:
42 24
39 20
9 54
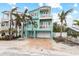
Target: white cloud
69 16
25 7
53 5
75 5
69 20
75 11
41 4
55 18
60 7
12 4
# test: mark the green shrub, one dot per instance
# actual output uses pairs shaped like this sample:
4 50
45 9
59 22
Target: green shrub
3 34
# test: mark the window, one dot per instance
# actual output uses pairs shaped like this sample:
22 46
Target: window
2 24
7 24
23 32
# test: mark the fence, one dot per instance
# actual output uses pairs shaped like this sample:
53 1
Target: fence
57 34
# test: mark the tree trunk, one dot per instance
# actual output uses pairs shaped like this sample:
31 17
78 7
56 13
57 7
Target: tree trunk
61 29
32 32
10 18
16 29
19 31
23 30
10 28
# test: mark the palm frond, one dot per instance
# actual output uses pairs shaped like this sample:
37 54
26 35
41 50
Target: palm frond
61 16
17 16
65 22
25 11
69 11
24 14
28 18
34 24
14 9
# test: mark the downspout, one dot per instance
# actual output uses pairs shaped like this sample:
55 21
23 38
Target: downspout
61 29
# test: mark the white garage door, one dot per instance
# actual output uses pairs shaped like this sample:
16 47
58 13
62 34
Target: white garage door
43 34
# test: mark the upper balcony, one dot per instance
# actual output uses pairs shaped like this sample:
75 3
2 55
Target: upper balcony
44 25
45 16
45 13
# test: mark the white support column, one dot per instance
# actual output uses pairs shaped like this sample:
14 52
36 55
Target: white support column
51 24
52 30
34 33
26 32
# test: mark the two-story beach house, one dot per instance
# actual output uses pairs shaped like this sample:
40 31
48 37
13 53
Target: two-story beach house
44 20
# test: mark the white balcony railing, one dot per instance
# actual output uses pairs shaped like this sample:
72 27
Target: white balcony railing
45 26
45 16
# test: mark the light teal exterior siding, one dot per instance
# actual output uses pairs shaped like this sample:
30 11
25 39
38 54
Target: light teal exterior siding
43 18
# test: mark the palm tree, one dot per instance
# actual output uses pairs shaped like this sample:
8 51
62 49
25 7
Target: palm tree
20 19
23 18
62 17
11 20
18 24
34 25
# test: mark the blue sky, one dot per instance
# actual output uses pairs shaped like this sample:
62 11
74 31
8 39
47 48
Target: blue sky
55 7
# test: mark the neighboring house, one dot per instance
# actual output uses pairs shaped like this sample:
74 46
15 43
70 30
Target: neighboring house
73 34
5 23
0 28
43 17
73 31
